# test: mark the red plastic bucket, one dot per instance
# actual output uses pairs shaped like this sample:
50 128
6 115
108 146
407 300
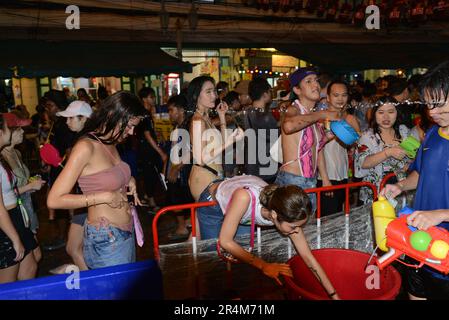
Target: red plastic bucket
347 271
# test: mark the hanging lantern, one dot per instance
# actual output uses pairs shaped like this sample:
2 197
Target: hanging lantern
321 8
332 9
345 15
312 5
275 5
359 14
417 12
298 5
285 5
428 13
441 10
394 16
263 4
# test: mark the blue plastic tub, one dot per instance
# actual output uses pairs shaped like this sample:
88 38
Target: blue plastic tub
139 280
344 132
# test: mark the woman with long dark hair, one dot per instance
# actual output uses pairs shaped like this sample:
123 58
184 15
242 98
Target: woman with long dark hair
105 181
208 143
378 151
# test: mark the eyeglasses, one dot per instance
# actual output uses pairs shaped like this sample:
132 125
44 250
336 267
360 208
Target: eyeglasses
432 105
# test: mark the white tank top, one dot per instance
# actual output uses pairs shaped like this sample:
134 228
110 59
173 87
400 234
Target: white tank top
9 197
226 189
337 162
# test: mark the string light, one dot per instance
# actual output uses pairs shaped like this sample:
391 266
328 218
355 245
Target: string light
356 107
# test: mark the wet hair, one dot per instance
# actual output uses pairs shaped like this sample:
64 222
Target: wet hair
81 90
179 101
221 86
369 90
290 202
3 161
329 87
58 97
373 124
145 92
102 93
194 91
257 87
435 83
231 97
116 109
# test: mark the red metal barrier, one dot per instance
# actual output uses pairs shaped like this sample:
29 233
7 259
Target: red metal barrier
347 186
191 206
385 179
194 206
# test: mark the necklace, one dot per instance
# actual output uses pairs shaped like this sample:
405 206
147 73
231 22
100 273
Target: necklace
206 119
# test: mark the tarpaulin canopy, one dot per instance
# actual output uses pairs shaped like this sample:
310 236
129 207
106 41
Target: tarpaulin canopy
85 59
341 57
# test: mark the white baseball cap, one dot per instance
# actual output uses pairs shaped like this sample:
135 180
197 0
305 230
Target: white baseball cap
76 108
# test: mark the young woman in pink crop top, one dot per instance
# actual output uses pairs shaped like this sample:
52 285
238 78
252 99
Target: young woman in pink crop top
105 181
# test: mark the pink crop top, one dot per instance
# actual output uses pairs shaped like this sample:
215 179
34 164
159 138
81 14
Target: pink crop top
110 179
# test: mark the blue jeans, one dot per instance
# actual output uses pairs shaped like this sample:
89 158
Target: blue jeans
106 246
284 178
211 219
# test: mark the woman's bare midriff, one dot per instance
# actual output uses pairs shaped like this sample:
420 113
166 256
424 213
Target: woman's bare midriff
116 216
200 178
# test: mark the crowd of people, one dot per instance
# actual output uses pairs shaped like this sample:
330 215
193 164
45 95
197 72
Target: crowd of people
253 149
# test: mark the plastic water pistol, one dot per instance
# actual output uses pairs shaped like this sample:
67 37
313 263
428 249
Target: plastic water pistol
428 247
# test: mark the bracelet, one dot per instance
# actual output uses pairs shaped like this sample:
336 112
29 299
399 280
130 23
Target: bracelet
330 295
87 201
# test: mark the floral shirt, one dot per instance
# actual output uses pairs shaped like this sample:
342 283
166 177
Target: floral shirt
370 143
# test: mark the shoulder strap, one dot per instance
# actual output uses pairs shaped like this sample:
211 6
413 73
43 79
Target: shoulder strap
253 214
109 152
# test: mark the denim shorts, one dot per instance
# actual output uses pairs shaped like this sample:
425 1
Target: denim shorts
211 219
107 246
284 178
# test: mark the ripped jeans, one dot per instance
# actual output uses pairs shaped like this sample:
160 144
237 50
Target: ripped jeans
106 245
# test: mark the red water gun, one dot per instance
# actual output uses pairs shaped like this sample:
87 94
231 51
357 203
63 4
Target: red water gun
429 247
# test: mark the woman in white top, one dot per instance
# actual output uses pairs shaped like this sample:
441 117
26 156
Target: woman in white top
286 207
336 152
25 186
16 241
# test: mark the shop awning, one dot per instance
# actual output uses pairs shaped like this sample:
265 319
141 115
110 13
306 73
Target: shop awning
85 59
339 57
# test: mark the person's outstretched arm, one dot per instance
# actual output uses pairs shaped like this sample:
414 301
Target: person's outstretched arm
239 204
303 249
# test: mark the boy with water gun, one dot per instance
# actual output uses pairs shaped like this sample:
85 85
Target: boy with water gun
430 177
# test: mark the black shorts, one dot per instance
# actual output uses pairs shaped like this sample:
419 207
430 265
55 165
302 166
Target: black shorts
423 284
79 219
178 194
7 252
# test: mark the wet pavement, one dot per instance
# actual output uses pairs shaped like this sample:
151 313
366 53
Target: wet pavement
207 277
